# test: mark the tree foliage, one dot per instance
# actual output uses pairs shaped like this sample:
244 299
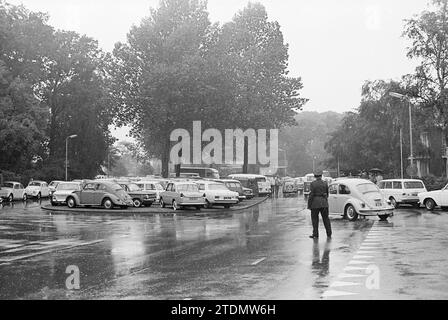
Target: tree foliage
177 67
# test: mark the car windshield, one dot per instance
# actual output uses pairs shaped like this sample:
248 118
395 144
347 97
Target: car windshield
217 186
34 184
413 185
187 188
133 187
68 186
7 185
367 187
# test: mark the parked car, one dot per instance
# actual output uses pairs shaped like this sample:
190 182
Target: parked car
248 193
216 193
139 196
52 186
258 183
433 199
37 189
299 184
63 191
100 193
180 194
402 191
151 185
357 197
233 185
307 179
12 190
289 187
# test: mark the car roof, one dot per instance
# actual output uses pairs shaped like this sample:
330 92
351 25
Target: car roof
11 182
246 175
40 181
352 181
148 181
402 180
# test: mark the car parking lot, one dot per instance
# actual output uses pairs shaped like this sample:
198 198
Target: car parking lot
262 252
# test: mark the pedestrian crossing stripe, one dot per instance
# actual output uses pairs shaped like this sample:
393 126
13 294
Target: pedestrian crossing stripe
361 257
344 284
335 293
348 275
350 268
358 262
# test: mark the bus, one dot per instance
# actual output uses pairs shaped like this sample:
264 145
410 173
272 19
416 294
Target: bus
258 183
203 172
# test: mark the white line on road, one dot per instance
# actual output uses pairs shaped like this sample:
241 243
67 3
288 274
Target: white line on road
334 293
344 284
258 261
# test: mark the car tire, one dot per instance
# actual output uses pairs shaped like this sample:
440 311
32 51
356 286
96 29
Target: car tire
175 206
383 217
25 197
137 202
207 204
10 198
351 213
227 206
416 205
107 204
149 204
71 202
430 204
162 204
394 202
53 203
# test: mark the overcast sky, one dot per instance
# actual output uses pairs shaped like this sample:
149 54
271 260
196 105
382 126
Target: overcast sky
335 45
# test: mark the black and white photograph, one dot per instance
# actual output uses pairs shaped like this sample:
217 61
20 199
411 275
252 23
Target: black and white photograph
246 151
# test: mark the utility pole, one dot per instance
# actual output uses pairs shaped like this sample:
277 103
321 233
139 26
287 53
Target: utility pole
401 152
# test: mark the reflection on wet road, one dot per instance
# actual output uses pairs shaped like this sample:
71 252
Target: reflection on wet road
261 253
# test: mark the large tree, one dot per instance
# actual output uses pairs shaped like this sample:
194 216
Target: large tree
160 78
177 68
370 136
73 88
22 118
428 33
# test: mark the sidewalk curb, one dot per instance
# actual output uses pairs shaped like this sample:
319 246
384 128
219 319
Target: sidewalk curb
141 211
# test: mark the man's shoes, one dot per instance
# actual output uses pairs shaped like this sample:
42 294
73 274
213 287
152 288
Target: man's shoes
314 237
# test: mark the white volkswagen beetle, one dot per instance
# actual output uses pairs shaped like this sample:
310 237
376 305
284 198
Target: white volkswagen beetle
352 198
432 199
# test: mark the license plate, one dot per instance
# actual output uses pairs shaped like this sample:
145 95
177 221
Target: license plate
193 198
415 194
378 203
227 198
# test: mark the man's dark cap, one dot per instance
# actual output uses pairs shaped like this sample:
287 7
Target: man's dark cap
318 173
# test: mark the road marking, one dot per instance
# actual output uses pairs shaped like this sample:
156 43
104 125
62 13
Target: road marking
334 293
358 262
361 257
258 261
4 261
344 284
350 268
348 275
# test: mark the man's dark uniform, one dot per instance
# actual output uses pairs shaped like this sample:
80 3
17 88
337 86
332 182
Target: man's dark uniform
317 202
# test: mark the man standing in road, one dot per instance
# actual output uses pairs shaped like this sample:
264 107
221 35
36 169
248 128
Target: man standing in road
318 203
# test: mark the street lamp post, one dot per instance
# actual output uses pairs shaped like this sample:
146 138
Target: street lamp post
402 96
66 153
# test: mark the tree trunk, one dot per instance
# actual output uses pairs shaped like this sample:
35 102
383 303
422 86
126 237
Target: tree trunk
246 156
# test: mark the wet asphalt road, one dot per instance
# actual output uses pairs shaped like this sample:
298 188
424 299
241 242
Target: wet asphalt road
261 253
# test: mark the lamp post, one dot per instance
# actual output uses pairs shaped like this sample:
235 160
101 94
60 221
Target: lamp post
402 96
66 153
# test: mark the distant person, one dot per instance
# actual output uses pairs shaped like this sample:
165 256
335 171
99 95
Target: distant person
277 185
318 203
272 181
